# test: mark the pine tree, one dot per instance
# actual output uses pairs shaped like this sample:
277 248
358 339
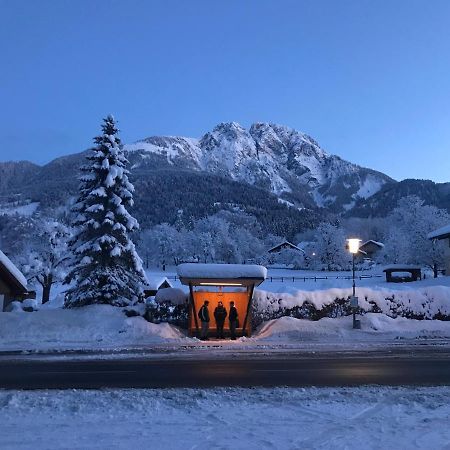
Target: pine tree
106 267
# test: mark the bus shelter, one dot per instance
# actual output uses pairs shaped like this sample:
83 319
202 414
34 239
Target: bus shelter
225 283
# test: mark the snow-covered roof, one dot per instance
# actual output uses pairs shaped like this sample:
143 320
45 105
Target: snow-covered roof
401 267
14 272
371 241
155 282
221 271
285 243
440 233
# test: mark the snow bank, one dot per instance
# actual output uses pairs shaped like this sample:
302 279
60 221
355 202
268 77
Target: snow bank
90 327
373 327
191 270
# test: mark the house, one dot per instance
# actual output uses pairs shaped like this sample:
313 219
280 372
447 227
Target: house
440 234
283 246
155 284
13 285
221 282
370 247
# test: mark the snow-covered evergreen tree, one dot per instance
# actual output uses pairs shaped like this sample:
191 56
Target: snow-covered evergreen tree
106 267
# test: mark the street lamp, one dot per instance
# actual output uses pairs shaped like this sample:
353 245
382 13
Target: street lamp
353 248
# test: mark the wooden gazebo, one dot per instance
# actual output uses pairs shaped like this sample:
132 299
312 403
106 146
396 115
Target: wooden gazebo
221 282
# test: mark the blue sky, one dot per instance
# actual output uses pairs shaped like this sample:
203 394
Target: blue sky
370 80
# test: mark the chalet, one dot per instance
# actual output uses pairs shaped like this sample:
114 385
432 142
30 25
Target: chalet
440 234
370 247
221 282
285 245
13 285
155 284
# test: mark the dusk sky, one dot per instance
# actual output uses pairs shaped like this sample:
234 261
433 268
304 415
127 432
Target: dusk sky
369 80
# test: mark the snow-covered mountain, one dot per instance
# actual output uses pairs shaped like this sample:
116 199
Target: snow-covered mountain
288 163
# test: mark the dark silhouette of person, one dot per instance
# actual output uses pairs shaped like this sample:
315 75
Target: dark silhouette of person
203 315
220 314
233 319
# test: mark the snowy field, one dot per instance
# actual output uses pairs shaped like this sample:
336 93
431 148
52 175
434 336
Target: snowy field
375 280
282 418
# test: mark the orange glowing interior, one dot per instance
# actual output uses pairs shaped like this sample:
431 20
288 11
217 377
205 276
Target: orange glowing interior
240 301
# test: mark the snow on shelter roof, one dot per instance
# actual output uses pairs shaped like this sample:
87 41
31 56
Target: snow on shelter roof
440 233
221 271
13 271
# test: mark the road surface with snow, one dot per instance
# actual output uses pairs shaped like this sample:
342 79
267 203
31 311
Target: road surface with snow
423 368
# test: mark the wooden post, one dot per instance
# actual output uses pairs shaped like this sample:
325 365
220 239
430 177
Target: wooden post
194 311
249 305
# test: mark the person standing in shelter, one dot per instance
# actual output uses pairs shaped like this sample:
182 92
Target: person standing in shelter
203 315
220 314
233 318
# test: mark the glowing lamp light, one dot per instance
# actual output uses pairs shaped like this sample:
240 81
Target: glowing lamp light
353 245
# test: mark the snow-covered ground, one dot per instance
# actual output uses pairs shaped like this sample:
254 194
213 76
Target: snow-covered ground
91 327
102 327
326 418
106 328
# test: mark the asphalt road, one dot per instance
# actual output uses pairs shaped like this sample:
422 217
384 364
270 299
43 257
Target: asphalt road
164 373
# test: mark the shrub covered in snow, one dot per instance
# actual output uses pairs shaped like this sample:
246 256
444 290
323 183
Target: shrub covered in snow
432 302
167 312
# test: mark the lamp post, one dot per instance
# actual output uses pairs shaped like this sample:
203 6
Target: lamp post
353 248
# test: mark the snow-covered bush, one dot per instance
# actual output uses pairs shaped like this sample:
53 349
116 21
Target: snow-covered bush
421 304
167 312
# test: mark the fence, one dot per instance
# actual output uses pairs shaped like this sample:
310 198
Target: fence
304 279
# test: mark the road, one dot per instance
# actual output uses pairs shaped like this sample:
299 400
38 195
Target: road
291 370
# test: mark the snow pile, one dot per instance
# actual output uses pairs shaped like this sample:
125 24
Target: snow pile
373 327
280 418
428 302
96 326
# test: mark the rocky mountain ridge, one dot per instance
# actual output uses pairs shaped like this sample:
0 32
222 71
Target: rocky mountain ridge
288 163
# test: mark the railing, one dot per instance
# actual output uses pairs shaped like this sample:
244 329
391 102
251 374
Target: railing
304 279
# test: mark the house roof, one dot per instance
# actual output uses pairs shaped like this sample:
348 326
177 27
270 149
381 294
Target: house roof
155 282
371 241
12 274
284 243
401 268
440 233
